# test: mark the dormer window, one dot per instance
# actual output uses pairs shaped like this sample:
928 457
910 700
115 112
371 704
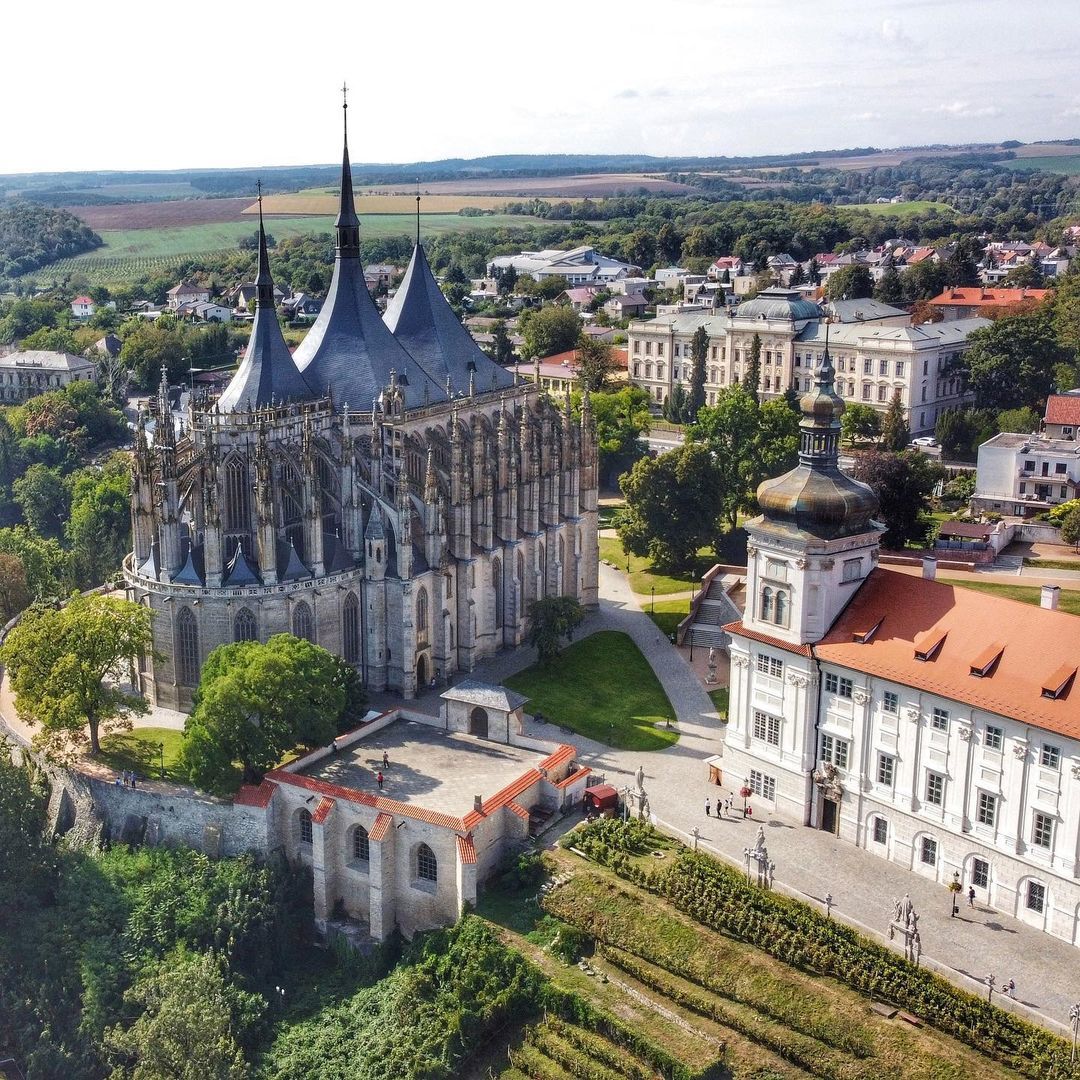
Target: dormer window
983 665
928 644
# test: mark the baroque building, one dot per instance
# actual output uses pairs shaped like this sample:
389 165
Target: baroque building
935 726
387 492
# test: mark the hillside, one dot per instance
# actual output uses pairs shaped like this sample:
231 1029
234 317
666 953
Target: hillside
33 236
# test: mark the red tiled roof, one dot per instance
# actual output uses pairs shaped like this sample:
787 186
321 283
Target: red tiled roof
980 297
517 808
565 752
381 827
1038 645
466 849
766 639
1063 409
82 300
502 797
322 811
970 529
250 795
577 774
362 798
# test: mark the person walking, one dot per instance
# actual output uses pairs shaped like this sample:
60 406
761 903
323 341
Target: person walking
379 779
385 760
708 812
971 896
1010 987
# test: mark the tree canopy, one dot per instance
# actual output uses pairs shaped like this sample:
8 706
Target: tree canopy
67 666
903 484
550 620
549 330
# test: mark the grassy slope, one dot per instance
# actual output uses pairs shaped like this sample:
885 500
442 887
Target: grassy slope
137 751
667 614
643 578
603 688
904 209
1028 594
1069 164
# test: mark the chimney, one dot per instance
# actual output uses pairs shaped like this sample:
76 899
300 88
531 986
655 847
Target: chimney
1049 596
929 567
477 804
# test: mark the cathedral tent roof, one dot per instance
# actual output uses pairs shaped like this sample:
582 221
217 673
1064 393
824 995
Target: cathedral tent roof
337 554
267 374
239 571
191 572
294 567
349 350
422 320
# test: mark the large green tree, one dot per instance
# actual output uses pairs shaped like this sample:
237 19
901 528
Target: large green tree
595 363
26 856
850 283
1012 362
44 499
14 592
699 353
255 702
621 419
99 529
47 564
550 620
549 330
890 289
860 421
67 666
895 433
751 380
903 484
673 505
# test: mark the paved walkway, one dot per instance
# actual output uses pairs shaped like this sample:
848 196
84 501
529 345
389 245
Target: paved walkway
809 863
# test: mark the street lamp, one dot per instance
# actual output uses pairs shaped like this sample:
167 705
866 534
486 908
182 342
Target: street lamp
744 793
954 889
652 603
1074 1017
161 754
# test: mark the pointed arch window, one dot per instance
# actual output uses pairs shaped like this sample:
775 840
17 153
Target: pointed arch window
237 496
497 585
427 866
303 625
421 615
187 648
244 626
350 629
361 845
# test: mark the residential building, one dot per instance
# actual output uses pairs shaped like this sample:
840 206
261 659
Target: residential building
1062 417
626 306
204 311
877 350
1024 474
243 294
967 303
26 374
82 307
558 374
387 492
110 345
580 266
671 277
301 306
933 725
379 276
188 292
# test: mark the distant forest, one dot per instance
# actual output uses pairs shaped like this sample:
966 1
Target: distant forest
32 236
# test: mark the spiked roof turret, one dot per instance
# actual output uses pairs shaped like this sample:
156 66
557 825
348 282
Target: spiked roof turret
267 374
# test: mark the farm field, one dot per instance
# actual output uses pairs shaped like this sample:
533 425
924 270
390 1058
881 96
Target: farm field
919 206
1069 164
326 202
585 185
160 215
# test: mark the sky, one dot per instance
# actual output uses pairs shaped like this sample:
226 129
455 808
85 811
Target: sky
131 84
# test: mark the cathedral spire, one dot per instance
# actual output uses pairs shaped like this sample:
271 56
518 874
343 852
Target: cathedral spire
819 440
347 224
264 283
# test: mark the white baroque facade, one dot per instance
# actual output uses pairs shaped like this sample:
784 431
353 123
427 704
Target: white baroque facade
935 726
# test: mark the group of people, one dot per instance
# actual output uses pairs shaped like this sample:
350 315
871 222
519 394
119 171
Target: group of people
126 778
723 808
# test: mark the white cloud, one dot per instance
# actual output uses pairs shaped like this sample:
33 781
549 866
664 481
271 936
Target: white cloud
864 117
964 110
892 30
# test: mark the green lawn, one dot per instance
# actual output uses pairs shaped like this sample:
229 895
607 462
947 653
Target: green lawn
1053 564
1068 164
137 751
667 614
720 701
902 209
603 688
645 579
1028 594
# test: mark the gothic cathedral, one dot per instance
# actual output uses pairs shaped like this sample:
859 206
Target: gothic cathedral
387 492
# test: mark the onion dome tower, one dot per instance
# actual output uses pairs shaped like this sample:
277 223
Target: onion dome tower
349 349
422 320
816 539
267 375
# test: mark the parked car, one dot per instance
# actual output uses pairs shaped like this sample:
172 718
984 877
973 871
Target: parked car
924 440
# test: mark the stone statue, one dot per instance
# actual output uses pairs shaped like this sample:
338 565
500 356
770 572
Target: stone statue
640 776
759 844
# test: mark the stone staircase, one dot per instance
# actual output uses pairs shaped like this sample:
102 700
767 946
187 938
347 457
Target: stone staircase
713 610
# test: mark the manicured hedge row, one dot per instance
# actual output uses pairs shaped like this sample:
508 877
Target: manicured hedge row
720 898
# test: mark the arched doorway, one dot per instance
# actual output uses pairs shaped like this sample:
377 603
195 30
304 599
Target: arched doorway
478 722
423 672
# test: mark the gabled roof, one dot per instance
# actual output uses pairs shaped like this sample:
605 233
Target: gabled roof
1035 647
1063 409
423 322
987 297
473 692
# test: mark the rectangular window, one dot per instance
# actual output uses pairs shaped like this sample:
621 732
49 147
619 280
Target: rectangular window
995 737
881 830
1050 757
1042 830
939 720
886 766
890 702
845 688
852 569
1036 896
762 785
980 873
868 367
883 367
935 788
883 393
659 348
835 751
831 682
637 347
770 665
899 369
928 851
986 814
840 364
767 728
1060 467
648 348
867 390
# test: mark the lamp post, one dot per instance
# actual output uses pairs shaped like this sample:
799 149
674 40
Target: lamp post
954 889
161 757
744 793
652 602
1074 1018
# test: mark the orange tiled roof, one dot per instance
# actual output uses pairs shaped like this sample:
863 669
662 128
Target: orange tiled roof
502 797
1063 409
766 639
322 811
1037 647
466 849
577 774
250 795
517 808
980 297
380 828
564 752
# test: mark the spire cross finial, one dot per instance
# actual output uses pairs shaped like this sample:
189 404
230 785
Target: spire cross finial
418 211
345 108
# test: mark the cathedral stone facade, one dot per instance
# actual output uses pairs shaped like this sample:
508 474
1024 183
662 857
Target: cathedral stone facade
387 492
